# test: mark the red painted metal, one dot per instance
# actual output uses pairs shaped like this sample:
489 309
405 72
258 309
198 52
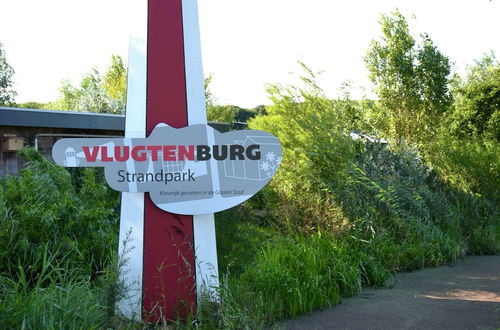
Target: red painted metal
169 286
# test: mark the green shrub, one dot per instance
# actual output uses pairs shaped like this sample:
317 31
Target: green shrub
61 297
40 209
72 304
471 165
352 213
312 133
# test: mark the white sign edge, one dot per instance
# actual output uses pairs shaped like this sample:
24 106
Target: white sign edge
131 237
205 242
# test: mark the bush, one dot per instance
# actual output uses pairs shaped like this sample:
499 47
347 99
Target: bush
358 210
315 146
60 298
41 209
472 165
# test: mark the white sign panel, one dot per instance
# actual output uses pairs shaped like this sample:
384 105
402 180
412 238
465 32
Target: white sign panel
191 170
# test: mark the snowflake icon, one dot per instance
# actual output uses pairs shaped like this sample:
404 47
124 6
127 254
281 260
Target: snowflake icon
271 164
270 156
265 166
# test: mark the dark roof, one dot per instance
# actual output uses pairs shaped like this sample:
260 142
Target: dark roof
71 119
60 119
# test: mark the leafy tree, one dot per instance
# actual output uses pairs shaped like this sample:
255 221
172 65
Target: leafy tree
245 115
222 113
115 80
96 93
467 154
94 97
477 106
411 79
32 105
69 99
260 110
7 94
314 136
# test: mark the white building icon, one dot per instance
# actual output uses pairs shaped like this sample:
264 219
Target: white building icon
71 160
261 170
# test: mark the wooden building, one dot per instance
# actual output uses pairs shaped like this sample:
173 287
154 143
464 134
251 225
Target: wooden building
42 128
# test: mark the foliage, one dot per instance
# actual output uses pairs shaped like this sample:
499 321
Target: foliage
287 273
411 80
477 106
96 93
40 209
327 182
472 164
60 298
69 98
115 80
316 150
405 198
240 238
302 117
7 94
466 151
32 105
233 114
350 213
222 113
58 235
244 115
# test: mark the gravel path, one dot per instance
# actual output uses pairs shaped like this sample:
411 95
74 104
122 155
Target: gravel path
462 296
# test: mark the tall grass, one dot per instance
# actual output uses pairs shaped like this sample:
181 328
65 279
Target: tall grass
293 273
58 235
44 207
61 297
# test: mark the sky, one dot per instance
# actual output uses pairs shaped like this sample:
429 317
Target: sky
246 44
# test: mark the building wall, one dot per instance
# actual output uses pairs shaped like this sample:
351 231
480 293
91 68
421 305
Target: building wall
31 124
11 164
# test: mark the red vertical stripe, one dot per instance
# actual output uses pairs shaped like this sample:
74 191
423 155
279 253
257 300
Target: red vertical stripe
169 270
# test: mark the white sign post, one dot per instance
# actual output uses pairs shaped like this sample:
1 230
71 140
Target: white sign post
165 86
173 169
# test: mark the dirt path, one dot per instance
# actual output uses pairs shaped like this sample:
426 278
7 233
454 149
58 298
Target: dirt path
463 296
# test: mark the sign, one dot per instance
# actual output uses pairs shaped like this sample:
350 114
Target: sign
173 169
191 170
171 177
